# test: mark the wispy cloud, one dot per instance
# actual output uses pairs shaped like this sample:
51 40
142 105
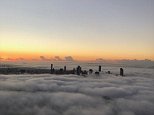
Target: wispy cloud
1 58
57 58
44 58
20 59
69 58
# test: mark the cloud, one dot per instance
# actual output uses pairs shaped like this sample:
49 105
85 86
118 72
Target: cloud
47 94
20 59
44 58
69 58
57 58
10 59
99 59
1 58
33 59
128 63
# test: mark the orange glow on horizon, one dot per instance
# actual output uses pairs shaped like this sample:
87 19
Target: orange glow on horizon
83 57
16 45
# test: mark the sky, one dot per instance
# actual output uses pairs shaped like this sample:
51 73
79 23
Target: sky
82 29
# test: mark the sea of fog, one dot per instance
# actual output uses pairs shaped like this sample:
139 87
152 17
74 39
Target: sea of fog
84 65
104 94
57 64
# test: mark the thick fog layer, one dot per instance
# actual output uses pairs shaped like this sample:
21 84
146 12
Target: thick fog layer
107 94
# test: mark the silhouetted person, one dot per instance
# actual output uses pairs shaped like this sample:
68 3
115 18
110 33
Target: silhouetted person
90 71
100 68
51 68
73 72
64 68
108 72
121 72
22 71
61 71
84 72
78 70
96 73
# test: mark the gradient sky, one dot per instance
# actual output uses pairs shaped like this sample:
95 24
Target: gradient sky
83 29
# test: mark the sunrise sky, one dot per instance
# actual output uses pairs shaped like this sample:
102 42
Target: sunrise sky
83 29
